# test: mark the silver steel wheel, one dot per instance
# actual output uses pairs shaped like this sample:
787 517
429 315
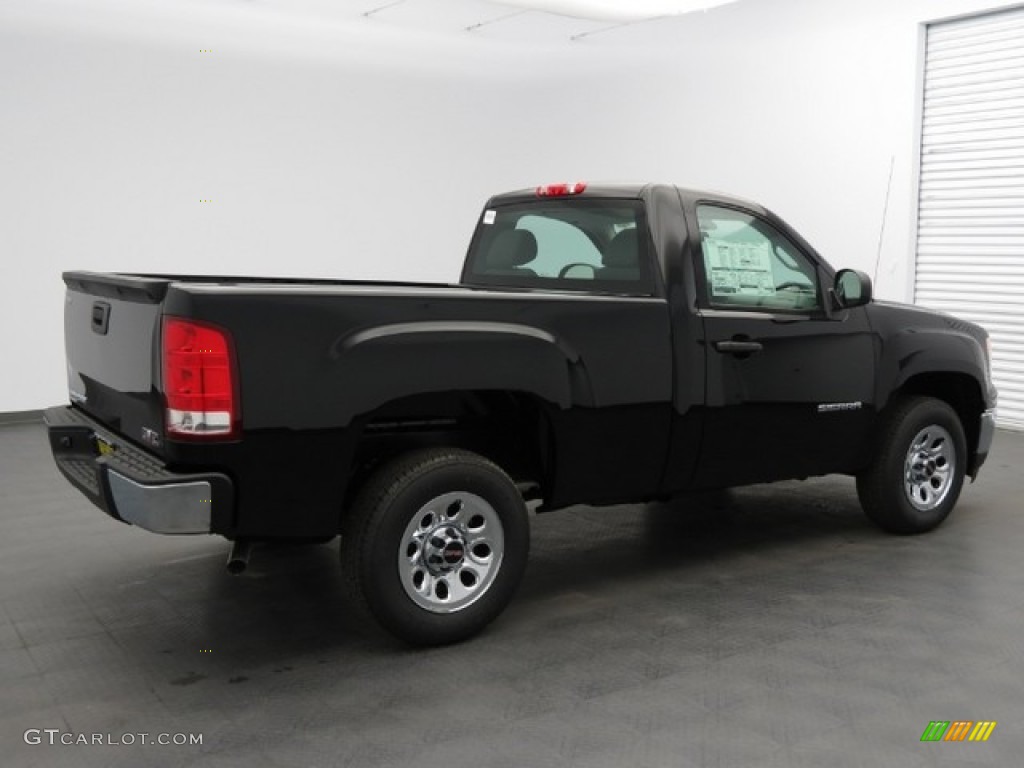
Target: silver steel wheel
451 552
929 468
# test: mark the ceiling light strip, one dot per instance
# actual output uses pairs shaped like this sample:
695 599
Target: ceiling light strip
488 22
384 7
611 27
614 11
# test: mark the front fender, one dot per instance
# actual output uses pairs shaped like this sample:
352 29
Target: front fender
918 351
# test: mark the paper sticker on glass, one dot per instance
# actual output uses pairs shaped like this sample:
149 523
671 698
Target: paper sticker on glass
743 269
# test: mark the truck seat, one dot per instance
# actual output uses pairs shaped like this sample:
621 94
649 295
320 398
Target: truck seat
621 259
510 251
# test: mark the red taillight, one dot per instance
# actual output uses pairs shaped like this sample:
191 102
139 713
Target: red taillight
560 190
199 380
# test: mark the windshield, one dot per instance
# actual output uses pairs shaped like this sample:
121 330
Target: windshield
572 244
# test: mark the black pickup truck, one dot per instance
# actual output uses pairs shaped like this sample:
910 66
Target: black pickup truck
605 344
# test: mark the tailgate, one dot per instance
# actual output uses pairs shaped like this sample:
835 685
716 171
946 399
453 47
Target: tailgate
111 333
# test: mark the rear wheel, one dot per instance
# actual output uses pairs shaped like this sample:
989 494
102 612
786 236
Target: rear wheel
436 544
918 467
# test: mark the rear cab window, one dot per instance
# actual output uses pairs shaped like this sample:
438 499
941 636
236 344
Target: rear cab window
595 244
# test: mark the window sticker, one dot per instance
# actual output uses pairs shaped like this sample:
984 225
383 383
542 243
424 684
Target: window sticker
490 216
739 269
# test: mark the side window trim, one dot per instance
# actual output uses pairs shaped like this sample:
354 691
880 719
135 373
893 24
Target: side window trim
704 299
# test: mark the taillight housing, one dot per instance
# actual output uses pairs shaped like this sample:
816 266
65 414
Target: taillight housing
200 380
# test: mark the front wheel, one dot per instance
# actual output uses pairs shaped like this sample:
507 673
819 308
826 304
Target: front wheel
918 467
436 544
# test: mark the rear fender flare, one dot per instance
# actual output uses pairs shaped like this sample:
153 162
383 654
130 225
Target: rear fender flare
379 364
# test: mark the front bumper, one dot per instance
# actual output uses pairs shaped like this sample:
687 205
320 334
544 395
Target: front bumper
130 484
986 431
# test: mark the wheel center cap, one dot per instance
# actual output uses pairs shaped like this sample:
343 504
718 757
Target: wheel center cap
444 550
453 552
922 468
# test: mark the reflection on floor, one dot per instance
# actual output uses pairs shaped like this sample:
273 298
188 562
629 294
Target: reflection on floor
772 627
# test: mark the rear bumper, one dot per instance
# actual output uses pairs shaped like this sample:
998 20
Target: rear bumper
131 485
986 431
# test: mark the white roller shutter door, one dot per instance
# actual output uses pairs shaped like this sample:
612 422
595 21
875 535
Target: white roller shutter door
970 238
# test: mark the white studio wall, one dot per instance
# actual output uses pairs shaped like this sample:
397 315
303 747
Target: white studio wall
358 151
364 151
805 106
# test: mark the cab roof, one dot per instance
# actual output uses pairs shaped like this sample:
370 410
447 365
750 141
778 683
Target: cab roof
629 191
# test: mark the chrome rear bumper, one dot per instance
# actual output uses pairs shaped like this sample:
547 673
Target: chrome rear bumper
132 485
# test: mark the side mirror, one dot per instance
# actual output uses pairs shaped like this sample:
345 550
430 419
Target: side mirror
852 288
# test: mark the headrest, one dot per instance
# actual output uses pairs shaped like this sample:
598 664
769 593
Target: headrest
512 249
622 251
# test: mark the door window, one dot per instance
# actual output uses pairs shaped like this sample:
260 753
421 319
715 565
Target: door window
748 264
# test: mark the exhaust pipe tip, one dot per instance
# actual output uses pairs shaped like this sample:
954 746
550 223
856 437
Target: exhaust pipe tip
238 558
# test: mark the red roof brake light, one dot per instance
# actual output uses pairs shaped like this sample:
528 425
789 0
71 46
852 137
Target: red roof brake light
200 380
561 190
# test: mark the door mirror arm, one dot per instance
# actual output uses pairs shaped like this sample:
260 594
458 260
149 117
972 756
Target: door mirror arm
830 305
833 306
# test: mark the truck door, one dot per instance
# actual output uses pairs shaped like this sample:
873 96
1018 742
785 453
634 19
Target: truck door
789 389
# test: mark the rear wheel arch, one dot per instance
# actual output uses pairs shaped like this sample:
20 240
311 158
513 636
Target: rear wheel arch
512 429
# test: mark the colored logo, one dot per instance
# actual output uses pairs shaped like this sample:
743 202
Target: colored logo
958 730
453 552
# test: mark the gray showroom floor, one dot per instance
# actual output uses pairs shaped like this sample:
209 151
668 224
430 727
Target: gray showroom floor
777 630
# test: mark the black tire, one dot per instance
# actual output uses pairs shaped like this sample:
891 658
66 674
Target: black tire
390 512
917 502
